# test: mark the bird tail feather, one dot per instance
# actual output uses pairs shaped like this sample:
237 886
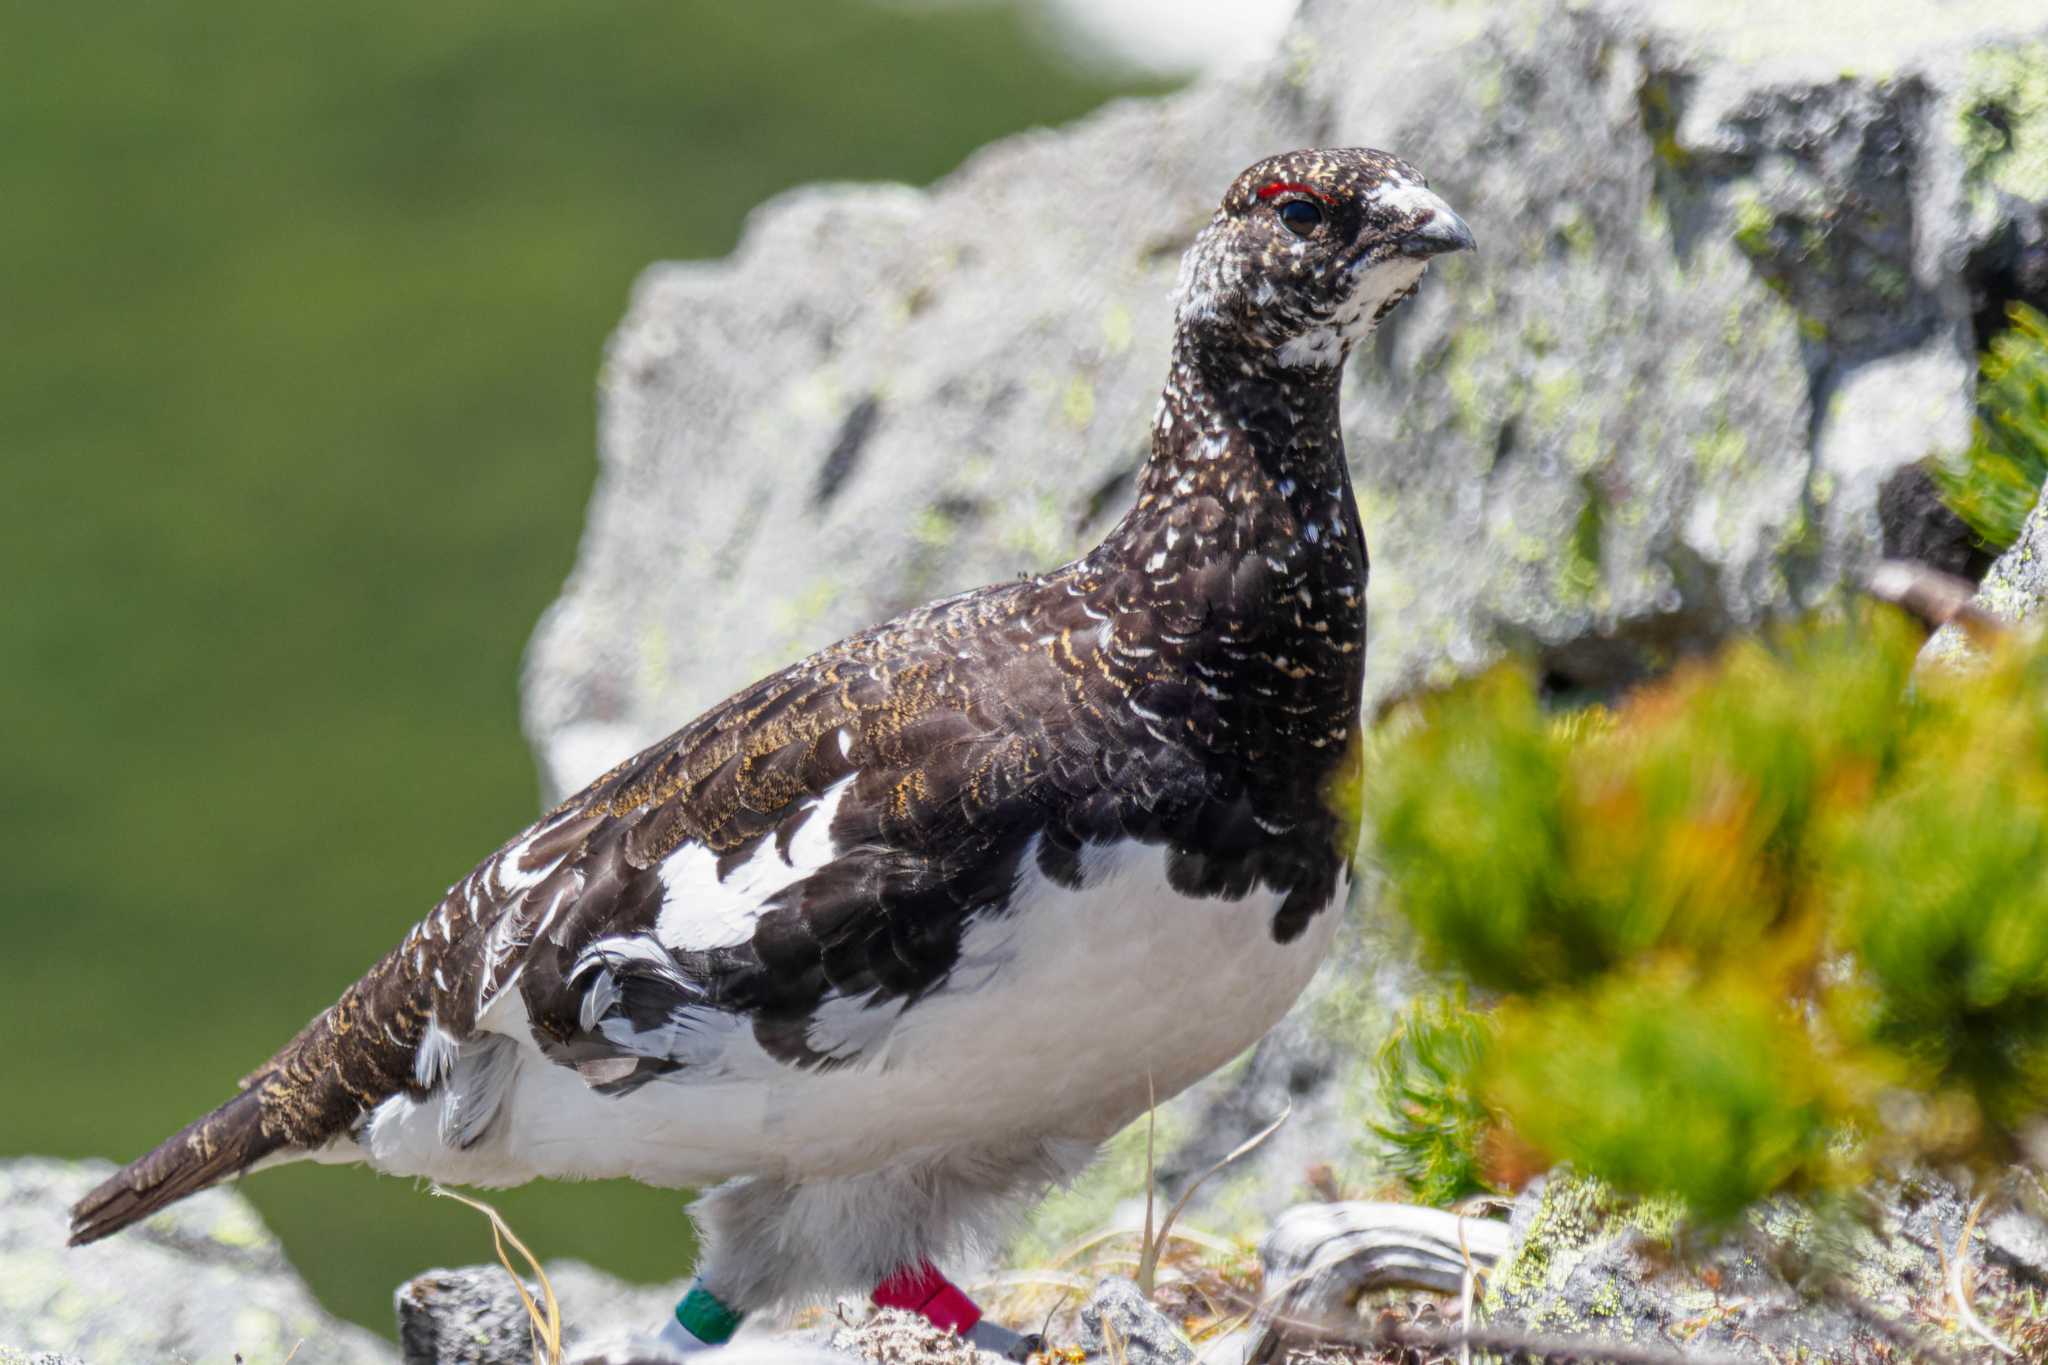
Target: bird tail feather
217 1147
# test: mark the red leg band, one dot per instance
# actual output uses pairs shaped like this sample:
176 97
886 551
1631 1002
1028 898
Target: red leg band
925 1292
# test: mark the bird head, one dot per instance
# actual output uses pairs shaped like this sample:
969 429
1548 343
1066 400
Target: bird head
1309 250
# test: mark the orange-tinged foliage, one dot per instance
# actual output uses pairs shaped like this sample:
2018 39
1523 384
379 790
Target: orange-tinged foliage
1781 916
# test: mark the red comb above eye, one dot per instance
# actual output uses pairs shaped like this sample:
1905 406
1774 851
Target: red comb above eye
1293 187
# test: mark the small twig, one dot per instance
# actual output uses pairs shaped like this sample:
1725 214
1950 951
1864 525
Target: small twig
1053 1312
1112 1344
1146 1263
1936 598
1087 1242
1045 1276
1220 1333
1960 1292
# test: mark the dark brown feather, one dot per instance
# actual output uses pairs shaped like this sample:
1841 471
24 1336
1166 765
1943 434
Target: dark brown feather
222 1145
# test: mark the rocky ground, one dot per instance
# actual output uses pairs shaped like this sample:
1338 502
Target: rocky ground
1571 1272
204 1281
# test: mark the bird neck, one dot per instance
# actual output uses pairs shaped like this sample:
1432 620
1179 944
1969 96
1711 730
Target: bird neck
1247 463
1244 563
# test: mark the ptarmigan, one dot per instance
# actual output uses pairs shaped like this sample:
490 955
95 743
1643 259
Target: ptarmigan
898 936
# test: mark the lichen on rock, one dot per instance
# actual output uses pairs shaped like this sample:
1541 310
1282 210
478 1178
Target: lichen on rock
203 1281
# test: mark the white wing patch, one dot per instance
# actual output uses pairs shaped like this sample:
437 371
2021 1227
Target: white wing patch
699 911
512 879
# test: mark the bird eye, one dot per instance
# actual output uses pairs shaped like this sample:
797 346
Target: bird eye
1302 216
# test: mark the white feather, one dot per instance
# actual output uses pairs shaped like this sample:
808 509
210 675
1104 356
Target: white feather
434 1058
700 911
847 1026
1318 346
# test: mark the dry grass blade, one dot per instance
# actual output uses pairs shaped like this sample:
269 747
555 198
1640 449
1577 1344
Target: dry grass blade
1148 1264
546 1321
1113 1343
1959 1291
1218 1333
1155 1247
1050 1277
1080 1246
1936 598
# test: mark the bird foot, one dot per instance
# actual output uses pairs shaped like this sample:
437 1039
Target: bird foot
999 1340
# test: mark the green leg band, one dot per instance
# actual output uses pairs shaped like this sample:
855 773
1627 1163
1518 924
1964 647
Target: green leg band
705 1318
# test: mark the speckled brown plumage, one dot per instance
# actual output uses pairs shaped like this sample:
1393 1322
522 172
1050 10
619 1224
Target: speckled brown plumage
1192 683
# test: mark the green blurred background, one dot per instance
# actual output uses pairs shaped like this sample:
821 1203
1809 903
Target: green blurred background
303 309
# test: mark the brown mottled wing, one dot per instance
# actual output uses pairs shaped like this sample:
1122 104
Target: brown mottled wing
1028 720
973 733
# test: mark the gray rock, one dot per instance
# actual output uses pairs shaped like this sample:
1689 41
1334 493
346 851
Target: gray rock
473 1316
1118 1324
470 1316
1918 526
1863 1282
204 1280
2014 589
10 1356
2021 1239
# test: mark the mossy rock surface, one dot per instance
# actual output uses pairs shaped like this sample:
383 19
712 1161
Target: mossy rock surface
202 1281
1786 1282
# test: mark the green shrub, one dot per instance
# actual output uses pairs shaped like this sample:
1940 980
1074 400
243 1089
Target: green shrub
1779 917
1531 855
1942 894
1707 1091
1994 483
1434 1132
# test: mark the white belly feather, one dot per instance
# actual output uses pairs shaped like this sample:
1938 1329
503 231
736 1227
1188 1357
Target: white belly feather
1054 1018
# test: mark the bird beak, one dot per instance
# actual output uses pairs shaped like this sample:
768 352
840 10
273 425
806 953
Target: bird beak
1442 232
1438 229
